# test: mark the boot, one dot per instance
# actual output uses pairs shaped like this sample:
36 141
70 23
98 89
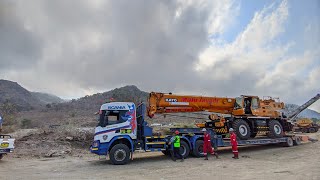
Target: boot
235 156
206 158
182 159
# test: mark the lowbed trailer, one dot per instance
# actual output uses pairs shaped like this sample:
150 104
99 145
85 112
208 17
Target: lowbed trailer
6 145
131 132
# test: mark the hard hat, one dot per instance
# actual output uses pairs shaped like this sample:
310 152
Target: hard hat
204 130
177 132
231 129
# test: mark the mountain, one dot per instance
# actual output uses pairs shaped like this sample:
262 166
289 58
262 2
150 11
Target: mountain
92 103
46 98
307 113
22 99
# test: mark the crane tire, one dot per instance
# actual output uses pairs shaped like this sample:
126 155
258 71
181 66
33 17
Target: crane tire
242 129
275 129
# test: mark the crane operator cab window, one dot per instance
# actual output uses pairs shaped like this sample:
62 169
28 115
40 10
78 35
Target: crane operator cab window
238 103
109 117
247 105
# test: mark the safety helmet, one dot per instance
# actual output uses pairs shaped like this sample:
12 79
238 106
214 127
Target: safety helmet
176 132
204 130
231 130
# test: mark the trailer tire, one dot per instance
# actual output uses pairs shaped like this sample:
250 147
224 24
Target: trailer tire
184 149
275 129
119 154
312 130
242 129
289 142
297 141
198 149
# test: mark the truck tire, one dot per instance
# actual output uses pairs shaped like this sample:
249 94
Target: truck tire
297 141
242 129
184 149
289 142
312 130
275 129
198 149
119 154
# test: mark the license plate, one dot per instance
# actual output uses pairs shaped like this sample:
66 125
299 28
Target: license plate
4 145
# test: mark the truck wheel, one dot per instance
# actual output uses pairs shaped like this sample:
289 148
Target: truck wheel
275 129
242 129
289 142
119 154
297 141
198 149
312 130
184 149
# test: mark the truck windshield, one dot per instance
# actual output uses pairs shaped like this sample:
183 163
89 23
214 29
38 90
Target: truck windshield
238 103
108 117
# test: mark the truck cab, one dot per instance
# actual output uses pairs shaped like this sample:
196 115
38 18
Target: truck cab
6 145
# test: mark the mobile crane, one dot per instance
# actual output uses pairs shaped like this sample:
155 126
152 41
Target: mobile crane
122 129
247 114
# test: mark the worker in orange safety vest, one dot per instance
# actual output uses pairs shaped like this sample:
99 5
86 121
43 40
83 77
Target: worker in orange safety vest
234 143
207 148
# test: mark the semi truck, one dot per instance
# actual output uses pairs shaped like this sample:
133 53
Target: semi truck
122 129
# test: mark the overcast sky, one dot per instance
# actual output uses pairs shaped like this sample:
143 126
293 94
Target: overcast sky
216 48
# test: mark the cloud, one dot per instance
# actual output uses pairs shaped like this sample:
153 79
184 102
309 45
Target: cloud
74 48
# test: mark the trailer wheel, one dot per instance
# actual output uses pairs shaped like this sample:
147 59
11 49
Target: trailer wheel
312 130
289 142
119 154
242 129
184 149
198 149
275 129
297 141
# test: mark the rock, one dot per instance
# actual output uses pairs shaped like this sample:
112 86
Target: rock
69 138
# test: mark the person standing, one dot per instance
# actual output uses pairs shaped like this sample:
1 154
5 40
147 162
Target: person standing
176 147
234 143
207 148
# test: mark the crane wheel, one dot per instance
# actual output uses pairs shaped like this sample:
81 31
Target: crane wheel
275 129
242 129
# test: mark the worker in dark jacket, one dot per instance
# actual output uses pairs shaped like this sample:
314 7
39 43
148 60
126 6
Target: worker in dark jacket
207 147
176 147
234 143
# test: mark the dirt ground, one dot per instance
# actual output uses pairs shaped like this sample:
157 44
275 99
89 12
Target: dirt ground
257 162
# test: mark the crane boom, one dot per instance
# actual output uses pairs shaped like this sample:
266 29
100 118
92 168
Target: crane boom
166 103
304 106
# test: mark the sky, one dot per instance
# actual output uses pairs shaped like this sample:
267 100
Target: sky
201 47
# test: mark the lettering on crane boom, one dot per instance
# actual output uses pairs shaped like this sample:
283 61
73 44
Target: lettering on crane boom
171 100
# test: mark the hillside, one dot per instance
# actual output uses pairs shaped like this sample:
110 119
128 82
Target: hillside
12 92
46 98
